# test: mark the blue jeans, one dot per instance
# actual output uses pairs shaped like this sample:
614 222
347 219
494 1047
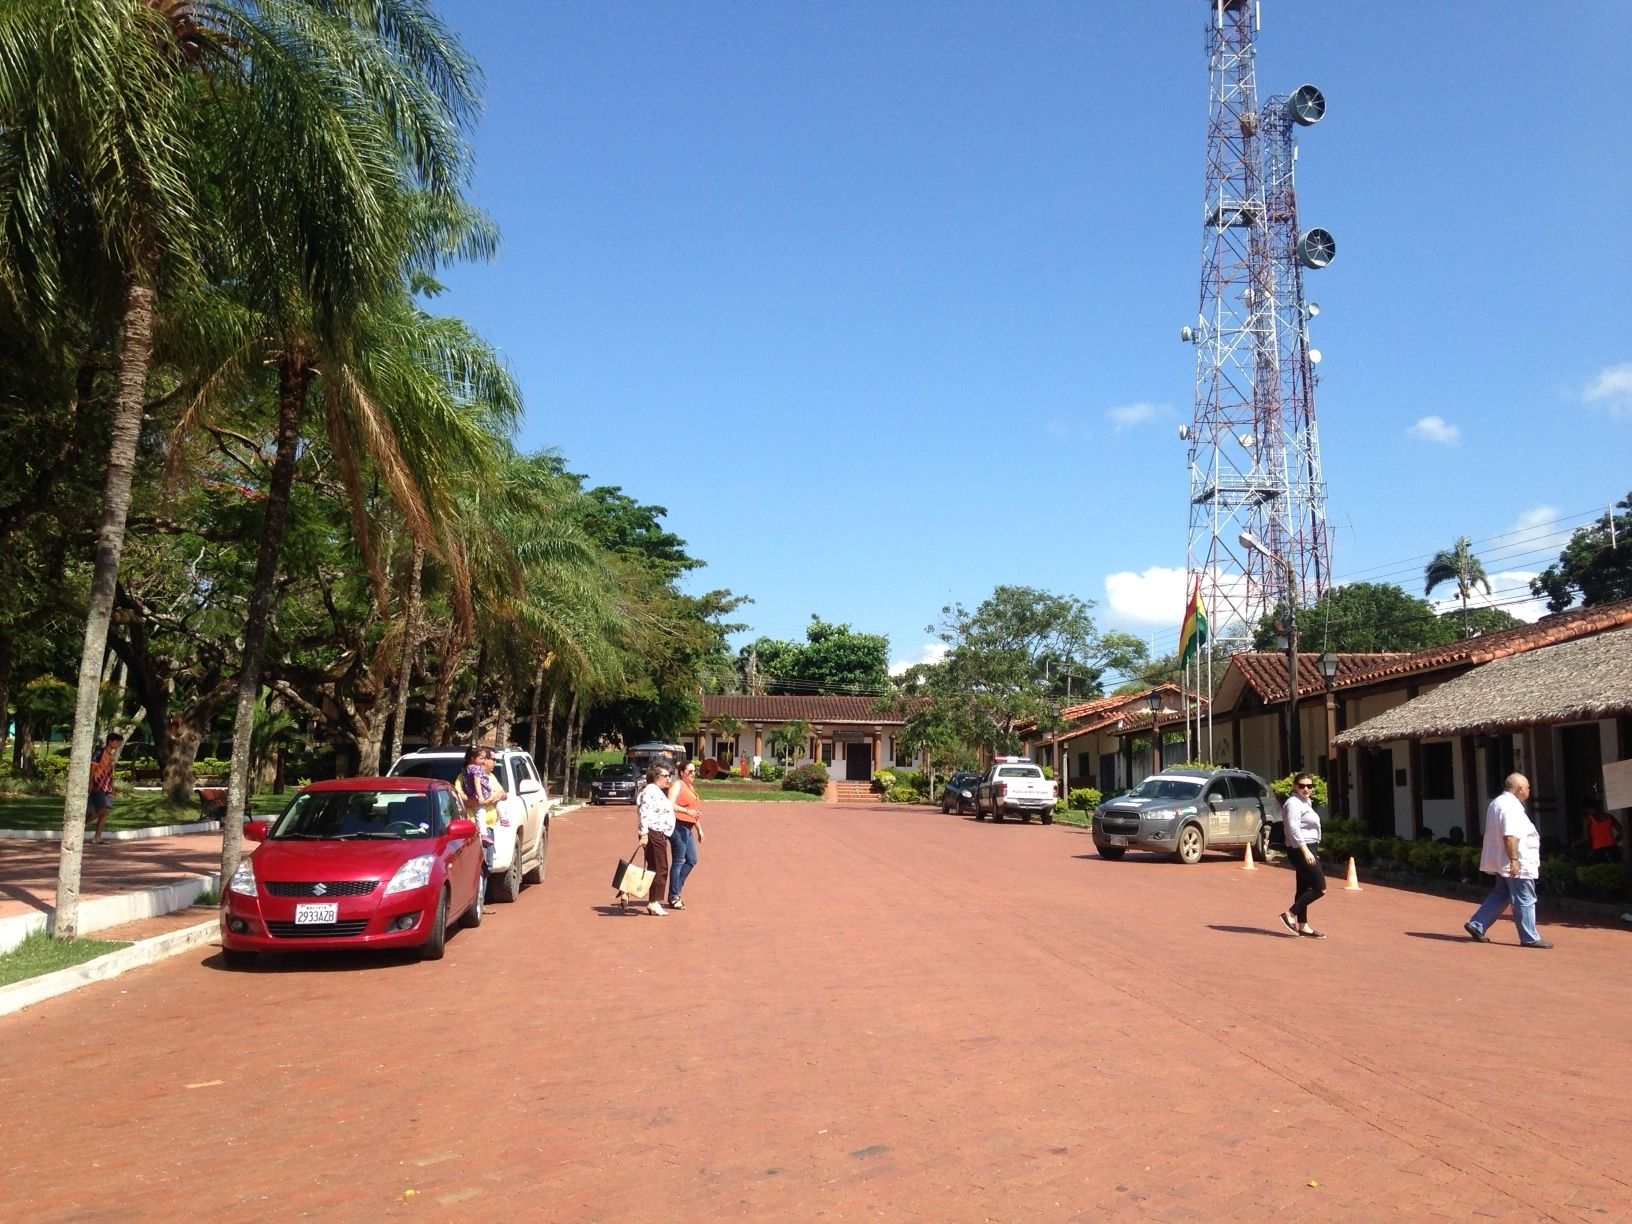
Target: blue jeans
683 849
1521 894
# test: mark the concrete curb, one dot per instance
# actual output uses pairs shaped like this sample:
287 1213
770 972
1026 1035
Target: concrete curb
197 826
100 913
144 952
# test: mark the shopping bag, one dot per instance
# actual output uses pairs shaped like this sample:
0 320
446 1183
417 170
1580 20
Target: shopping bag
631 880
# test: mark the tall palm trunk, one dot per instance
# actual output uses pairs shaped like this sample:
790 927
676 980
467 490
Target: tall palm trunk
547 750
569 769
532 716
295 375
410 640
130 390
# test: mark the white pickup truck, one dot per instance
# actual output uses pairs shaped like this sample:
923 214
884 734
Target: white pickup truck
1015 785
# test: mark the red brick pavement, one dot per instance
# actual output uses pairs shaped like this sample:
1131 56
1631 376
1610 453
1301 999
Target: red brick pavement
863 1012
28 869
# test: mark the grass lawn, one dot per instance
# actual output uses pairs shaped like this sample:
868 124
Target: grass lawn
764 793
40 953
141 810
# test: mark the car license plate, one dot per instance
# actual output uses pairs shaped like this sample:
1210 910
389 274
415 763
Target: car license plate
1116 839
329 912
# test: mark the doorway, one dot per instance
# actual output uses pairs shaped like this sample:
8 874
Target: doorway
1378 776
858 762
1580 776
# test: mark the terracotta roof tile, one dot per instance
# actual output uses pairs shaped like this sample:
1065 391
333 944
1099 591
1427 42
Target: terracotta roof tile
1265 672
781 709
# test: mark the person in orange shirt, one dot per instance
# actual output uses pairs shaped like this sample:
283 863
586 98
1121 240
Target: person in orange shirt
1600 835
100 799
688 831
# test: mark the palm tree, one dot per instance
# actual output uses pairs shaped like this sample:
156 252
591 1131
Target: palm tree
1457 564
791 739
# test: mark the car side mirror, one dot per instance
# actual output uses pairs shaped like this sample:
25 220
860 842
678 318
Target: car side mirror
530 786
1212 802
255 830
461 829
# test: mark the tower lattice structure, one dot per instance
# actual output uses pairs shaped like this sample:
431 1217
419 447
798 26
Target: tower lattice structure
1254 451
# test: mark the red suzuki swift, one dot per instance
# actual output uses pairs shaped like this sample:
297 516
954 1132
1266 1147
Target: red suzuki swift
356 863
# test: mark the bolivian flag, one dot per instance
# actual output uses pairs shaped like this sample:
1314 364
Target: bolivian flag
1194 634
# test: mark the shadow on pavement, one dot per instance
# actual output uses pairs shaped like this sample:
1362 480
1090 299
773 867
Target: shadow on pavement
1442 936
1243 930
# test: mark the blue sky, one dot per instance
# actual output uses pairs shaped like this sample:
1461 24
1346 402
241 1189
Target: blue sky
881 300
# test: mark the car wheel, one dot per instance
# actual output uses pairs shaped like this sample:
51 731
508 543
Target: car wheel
1025 817
946 806
437 944
1048 817
1262 848
997 813
979 815
473 915
506 885
1111 852
238 958
1191 844
535 874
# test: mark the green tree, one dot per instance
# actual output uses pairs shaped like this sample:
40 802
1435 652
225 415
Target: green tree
1361 618
1456 564
790 740
832 659
1595 566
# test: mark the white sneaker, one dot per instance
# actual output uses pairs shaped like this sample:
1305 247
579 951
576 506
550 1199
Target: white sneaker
654 908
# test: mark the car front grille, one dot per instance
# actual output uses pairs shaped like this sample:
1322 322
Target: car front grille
323 888
1119 824
316 930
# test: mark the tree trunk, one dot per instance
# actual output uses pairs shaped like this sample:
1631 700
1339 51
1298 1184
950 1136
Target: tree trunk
176 766
295 375
477 694
532 717
547 759
577 748
410 639
451 648
569 769
504 712
130 392
5 686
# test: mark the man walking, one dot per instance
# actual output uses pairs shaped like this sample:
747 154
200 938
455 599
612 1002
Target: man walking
1512 853
100 797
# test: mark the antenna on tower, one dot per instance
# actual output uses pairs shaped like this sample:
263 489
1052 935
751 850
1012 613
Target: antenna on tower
1254 452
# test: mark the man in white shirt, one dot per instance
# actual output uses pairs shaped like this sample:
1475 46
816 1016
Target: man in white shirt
1511 853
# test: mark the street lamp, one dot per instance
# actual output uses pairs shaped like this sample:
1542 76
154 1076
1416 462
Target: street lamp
1155 703
1294 741
1328 669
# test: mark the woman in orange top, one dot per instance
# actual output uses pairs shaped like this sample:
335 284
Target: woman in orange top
1599 834
688 832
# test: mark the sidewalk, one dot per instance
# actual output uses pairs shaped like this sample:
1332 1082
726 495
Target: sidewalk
120 881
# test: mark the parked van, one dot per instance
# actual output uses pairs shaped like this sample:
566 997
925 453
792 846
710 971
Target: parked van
642 755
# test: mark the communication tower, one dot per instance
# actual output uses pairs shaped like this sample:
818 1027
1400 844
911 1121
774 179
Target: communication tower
1253 446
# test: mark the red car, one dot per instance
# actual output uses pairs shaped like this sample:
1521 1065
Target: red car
356 863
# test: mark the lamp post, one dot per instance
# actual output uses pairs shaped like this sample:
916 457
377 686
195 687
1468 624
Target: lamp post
1294 739
1328 669
1155 702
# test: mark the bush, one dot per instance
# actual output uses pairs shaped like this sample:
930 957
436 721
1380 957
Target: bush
1602 881
1084 798
1560 875
769 771
809 779
51 769
901 793
916 779
883 780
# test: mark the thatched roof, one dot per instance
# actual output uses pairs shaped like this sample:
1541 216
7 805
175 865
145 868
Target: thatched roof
1576 681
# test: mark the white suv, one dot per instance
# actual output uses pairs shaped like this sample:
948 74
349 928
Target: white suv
521 840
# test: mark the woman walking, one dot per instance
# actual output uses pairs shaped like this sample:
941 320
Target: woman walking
656 823
688 832
1302 826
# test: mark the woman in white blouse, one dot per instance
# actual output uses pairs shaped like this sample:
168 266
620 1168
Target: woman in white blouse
656 811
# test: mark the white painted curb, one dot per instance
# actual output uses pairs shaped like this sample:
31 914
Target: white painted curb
145 952
100 913
197 826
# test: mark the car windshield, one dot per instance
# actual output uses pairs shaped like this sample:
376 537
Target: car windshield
1166 788
619 773
1020 771
447 768
348 815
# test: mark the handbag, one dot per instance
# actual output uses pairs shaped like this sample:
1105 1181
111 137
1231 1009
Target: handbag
631 880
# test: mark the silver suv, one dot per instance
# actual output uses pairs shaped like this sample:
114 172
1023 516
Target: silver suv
1186 812
521 840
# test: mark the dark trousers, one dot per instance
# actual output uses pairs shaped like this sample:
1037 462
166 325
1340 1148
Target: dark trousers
1311 885
657 861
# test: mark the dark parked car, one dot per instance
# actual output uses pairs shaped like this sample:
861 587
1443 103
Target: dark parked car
615 784
958 795
1186 812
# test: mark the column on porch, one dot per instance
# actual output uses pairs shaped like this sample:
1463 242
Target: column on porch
759 740
877 738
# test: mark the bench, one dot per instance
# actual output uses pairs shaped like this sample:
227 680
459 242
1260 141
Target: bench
212 801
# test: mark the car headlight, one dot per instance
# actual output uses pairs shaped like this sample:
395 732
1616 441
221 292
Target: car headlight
415 873
1165 815
243 880
967 794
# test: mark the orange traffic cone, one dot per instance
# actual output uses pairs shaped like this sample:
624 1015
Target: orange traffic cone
1353 884
1247 864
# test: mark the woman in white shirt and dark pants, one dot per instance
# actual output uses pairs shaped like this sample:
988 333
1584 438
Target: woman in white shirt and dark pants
1301 824
656 823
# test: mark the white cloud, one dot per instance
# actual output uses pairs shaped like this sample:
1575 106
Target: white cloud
1155 597
1126 416
1436 429
1612 387
1056 428
1537 530
1509 591
930 652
